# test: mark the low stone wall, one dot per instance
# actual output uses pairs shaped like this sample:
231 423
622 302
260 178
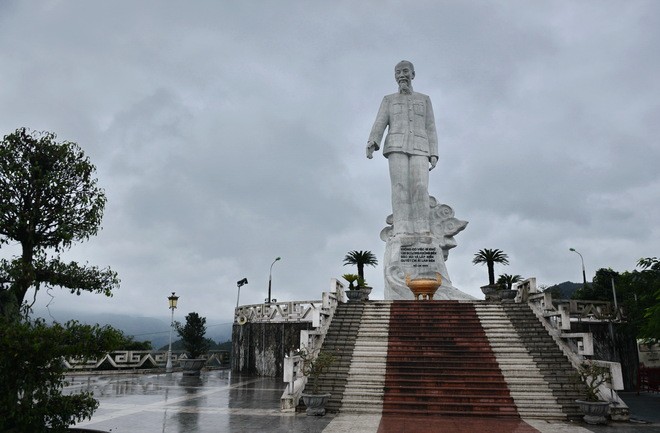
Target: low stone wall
615 345
141 360
259 348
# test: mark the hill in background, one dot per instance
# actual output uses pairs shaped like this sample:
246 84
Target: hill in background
563 290
140 328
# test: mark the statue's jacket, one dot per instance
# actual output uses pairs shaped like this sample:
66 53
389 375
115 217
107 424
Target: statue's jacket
411 125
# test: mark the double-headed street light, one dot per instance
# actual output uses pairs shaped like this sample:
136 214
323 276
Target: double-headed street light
584 274
270 280
172 300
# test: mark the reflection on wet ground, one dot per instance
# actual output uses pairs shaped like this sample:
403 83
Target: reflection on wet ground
219 402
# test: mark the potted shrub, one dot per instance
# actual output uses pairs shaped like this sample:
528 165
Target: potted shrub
592 376
364 289
194 343
313 368
361 259
353 293
502 289
506 282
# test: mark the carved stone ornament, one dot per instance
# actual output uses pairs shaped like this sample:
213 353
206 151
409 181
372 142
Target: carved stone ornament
422 256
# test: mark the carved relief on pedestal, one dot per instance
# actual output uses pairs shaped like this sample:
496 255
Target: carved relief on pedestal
422 256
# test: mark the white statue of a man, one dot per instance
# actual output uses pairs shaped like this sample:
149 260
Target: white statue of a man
411 147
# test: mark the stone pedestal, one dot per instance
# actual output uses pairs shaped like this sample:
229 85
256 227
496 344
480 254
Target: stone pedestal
421 255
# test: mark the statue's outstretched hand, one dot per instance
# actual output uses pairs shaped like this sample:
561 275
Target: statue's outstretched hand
433 160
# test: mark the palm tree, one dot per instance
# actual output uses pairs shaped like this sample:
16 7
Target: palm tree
360 259
506 280
490 257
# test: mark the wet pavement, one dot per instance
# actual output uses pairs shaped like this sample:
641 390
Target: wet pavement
219 401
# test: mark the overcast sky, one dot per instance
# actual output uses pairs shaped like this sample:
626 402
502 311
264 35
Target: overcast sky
226 134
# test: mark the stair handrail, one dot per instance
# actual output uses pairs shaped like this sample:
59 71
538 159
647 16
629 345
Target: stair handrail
310 341
618 409
277 312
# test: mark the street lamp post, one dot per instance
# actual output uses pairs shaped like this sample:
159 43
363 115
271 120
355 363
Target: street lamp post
240 283
172 300
270 279
616 304
584 274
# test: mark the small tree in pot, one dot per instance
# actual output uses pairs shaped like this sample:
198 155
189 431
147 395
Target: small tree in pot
489 257
505 282
313 368
360 259
593 376
353 292
194 342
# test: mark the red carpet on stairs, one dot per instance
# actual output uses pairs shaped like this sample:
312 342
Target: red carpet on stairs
425 424
440 364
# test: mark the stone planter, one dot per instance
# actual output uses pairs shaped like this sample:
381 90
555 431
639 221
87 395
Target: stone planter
364 293
192 367
507 295
315 403
353 295
490 292
495 293
595 412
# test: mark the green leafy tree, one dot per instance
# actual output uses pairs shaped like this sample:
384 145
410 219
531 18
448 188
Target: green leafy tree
360 259
192 335
49 199
637 293
490 257
128 342
33 378
649 276
507 281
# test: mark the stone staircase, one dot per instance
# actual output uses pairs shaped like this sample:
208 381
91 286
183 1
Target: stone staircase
555 367
366 377
446 358
530 391
340 341
439 362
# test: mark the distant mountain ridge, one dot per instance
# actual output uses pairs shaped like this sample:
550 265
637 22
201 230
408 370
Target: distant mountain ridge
564 290
140 328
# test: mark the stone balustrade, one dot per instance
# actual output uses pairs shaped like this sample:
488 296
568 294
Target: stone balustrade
557 315
311 341
140 359
292 311
566 310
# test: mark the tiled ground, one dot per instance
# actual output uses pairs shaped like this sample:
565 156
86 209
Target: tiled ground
216 402
220 402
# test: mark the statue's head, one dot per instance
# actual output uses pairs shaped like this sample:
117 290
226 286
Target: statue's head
404 72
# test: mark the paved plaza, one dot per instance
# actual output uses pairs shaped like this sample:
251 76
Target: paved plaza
219 401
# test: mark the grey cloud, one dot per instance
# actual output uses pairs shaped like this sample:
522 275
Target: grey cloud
226 134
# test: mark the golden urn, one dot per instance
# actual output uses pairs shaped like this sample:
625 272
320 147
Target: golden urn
424 288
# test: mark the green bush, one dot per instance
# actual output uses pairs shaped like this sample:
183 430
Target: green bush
192 335
33 374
